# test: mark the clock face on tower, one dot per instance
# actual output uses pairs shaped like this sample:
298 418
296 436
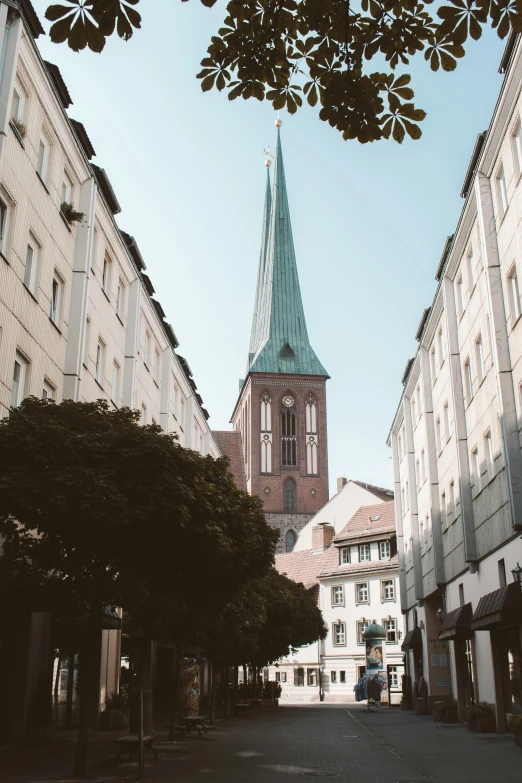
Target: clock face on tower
288 401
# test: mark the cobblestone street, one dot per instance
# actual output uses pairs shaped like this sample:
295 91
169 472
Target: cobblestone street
292 744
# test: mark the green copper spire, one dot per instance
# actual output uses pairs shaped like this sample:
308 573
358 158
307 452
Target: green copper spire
254 336
281 339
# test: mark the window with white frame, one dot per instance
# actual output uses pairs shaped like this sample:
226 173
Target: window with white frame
501 192
120 298
488 451
403 501
423 465
337 595
280 676
311 677
427 528
513 293
56 299
470 264
143 419
364 553
342 677
155 365
115 381
146 355
407 495
517 146
440 349
387 590
421 532
18 103
42 163
31 265
384 550
479 355
333 676
393 677
344 555
413 411
67 189
19 379
438 436
100 361
443 511
362 593
339 634
48 390
417 473
476 467
399 445
468 382
451 507
433 357
361 626
106 274
5 213
390 626
459 296
418 398
445 417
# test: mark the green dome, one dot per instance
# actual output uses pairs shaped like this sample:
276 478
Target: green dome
374 631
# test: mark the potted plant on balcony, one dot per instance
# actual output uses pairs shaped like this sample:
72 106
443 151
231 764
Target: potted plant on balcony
19 127
115 715
480 718
70 214
515 724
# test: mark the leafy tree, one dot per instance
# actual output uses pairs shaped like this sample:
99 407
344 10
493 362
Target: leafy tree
287 50
96 510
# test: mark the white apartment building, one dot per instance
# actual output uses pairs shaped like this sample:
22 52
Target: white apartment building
78 313
456 439
354 575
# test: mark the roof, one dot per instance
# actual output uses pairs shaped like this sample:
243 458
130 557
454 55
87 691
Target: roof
279 338
229 443
457 624
57 80
31 18
369 520
380 492
333 568
83 138
302 566
106 188
501 607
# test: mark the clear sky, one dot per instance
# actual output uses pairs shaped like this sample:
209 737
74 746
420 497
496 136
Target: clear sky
369 221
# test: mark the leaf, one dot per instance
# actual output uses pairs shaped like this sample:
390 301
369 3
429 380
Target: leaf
55 12
413 131
312 96
398 132
208 82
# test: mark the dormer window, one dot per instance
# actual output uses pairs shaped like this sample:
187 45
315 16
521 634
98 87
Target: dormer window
344 555
364 553
384 550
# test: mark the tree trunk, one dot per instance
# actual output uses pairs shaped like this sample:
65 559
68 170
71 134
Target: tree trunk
213 694
236 681
70 692
141 764
89 674
57 679
174 699
224 681
245 684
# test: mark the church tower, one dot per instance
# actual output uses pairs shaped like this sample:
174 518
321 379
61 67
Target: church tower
281 409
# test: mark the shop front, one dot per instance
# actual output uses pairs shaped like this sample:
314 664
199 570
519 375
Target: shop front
456 627
500 613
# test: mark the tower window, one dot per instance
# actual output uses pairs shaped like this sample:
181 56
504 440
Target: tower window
291 538
288 436
289 495
311 436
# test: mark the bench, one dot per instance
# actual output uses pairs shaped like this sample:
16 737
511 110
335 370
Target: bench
130 744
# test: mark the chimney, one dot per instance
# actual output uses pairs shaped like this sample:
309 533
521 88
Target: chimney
322 535
341 482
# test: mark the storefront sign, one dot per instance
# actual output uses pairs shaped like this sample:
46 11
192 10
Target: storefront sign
444 682
435 660
443 660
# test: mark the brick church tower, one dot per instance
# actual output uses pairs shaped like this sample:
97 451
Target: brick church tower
281 408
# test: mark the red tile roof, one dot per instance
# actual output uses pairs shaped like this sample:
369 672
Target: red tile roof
302 566
380 492
369 520
332 567
229 442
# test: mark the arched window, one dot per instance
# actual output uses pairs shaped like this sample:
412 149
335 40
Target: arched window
288 432
291 538
266 433
311 436
289 495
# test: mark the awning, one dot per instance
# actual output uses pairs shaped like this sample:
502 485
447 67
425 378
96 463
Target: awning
412 639
457 624
497 609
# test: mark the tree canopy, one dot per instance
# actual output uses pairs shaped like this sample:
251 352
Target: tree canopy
98 510
286 51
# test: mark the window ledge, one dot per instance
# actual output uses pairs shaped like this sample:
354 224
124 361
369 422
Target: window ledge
5 259
106 295
472 291
16 132
66 222
31 294
119 319
145 365
96 381
515 322
112 401
43 183
55 326
156 383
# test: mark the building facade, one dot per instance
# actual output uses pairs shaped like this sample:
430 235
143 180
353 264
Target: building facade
78 315
281 408
456 439
354 576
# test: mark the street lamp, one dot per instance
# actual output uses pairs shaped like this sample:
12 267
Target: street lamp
440 613
517 574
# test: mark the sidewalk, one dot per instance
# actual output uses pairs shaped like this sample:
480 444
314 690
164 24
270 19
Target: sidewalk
292 744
